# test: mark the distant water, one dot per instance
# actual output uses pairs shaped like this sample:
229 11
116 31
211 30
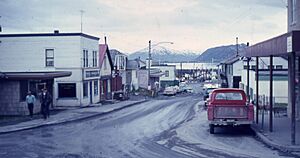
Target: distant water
195 65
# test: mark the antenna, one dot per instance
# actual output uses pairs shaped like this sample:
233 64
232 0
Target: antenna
237 46
81 14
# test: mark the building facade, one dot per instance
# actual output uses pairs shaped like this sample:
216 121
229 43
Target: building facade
56 52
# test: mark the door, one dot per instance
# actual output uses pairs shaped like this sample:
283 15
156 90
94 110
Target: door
236 81
91 92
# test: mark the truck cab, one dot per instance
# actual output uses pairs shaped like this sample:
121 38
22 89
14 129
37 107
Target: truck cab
229 107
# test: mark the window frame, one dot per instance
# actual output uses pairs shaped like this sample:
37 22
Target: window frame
49 58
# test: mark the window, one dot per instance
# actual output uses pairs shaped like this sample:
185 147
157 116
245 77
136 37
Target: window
66 90
49 54
85 58
85 89
279 67
269 66
253 67
166 73
104 63
94 58
229 96
245 67
108 86
96 87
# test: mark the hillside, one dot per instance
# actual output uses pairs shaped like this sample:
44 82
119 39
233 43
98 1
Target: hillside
218 54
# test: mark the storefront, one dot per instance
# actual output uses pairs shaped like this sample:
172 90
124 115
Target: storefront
14 87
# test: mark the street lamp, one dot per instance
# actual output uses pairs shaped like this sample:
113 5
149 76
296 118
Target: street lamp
149 57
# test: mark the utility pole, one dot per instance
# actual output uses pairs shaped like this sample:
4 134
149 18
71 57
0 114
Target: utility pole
0 26
81 14
149 58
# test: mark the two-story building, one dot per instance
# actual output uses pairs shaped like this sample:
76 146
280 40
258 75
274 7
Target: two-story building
36 61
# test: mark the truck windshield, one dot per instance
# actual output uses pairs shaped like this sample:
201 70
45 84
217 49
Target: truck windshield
229 96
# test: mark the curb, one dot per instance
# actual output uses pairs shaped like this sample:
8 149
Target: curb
70 120
272 144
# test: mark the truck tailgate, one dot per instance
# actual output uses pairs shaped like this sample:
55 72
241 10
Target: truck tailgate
235 112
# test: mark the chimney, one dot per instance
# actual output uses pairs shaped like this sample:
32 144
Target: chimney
105 40
56 31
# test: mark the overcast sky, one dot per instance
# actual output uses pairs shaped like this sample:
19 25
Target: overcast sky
130 24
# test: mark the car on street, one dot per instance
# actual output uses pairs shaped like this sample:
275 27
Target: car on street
206 94
170 91
229 107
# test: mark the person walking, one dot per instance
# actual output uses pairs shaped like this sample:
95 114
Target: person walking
46 99
30 99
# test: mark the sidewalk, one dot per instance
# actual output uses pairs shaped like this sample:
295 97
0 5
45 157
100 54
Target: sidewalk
280 138
70 115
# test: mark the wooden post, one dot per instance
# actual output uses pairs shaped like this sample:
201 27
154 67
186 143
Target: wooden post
271 95
248 80
291 71
257 92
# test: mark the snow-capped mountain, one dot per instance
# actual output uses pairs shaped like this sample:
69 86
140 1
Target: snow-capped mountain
163 54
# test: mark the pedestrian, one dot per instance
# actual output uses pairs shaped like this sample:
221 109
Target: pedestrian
30 99
46 99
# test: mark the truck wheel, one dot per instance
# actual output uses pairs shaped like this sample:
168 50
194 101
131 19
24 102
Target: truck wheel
211 129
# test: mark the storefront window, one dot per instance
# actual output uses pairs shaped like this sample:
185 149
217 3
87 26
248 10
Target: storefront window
96 87
85 89
66 90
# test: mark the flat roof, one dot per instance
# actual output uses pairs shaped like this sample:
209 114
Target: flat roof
49 35
34 75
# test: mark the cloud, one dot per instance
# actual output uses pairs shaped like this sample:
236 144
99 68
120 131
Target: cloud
129 24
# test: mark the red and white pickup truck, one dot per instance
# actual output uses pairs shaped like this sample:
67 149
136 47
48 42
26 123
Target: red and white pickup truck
229 107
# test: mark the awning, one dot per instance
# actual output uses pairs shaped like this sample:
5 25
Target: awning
277 46
34 75
158 74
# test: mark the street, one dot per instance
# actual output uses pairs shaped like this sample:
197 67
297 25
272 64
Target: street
173 126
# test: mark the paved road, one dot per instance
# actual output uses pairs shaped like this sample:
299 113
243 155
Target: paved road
165 127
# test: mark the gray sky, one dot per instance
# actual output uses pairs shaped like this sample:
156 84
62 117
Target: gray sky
130 24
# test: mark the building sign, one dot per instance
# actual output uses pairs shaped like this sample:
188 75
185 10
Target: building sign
289 44
89 74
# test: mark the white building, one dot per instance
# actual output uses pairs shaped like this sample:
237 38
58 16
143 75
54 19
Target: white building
280 78
232 69
54 52
169 77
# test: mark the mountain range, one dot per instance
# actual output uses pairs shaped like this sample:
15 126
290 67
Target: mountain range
163 54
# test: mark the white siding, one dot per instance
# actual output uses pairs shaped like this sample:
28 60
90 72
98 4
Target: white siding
27 54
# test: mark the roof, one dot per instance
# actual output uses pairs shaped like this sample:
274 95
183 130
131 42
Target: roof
34 75
49 34
132 64
103 49
276 46
114 53
229 90
231 60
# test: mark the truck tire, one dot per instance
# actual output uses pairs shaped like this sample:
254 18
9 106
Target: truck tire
211 129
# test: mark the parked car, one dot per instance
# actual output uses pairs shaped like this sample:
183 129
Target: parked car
189 89
206 95
229 107
170 91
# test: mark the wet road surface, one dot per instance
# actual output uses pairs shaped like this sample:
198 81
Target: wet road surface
164 127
